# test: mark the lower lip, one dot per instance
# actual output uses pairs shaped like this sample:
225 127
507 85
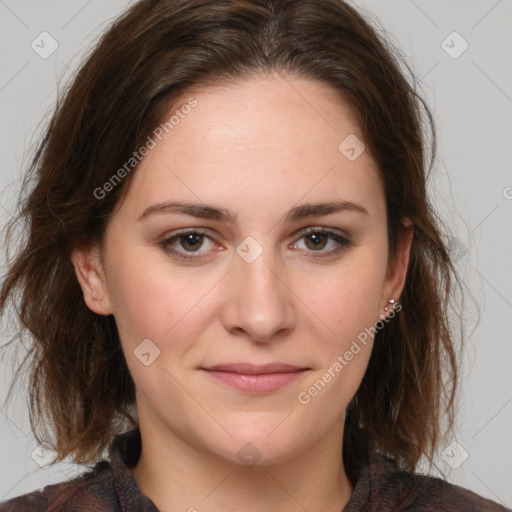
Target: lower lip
256 384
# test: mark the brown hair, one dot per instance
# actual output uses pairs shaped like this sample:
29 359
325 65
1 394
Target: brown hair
81 390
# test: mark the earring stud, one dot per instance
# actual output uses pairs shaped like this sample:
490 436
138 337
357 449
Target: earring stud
390 301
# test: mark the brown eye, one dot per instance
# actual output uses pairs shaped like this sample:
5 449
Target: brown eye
190 244
321 241
316 241
191 241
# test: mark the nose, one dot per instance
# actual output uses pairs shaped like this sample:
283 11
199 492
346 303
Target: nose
260 304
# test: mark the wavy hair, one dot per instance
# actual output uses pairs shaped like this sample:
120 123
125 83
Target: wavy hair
81 392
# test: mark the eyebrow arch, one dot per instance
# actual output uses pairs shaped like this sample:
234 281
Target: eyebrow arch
211 212
315 209
194 209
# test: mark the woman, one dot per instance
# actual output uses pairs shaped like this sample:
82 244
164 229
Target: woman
233 277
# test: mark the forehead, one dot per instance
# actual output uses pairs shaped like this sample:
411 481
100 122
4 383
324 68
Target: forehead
269 139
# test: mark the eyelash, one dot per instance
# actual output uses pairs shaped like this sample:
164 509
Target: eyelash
342 242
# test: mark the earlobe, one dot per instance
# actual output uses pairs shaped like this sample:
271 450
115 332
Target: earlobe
90 274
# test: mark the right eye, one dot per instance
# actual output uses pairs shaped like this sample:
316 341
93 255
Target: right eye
185 242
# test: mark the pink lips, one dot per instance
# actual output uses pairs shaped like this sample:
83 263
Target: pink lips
253 378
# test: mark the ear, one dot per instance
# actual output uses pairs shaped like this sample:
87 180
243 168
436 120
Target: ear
397 267
91 276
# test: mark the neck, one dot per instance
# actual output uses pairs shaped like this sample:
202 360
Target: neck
314 479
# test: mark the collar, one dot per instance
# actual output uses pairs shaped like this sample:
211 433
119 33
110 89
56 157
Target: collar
124 452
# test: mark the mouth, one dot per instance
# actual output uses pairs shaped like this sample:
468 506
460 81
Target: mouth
255 379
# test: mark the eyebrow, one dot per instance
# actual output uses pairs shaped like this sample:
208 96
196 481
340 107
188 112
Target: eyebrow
296 213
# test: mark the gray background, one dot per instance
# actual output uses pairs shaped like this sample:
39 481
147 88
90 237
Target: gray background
470 95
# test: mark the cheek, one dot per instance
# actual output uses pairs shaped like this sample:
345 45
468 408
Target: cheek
139 300
347 303
153 301
159 315
347 299
348 307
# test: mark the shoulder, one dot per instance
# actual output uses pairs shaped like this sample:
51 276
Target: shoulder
416 492
94 488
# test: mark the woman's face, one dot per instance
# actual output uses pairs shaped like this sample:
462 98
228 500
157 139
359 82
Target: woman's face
255 167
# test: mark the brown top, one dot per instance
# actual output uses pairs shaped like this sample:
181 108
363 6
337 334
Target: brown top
379 486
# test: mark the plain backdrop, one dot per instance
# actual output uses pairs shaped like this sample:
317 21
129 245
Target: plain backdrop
462 54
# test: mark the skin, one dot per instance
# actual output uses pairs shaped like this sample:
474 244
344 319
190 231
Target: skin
257 148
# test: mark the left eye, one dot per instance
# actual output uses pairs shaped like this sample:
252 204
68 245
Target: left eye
316 240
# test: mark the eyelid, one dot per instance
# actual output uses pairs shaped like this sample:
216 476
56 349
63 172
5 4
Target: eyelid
322 229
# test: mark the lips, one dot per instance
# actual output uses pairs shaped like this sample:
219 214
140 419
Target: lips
255 379
251 369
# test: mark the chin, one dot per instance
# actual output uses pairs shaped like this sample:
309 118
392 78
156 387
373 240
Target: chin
263 445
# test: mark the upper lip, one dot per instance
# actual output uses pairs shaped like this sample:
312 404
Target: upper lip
248 368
